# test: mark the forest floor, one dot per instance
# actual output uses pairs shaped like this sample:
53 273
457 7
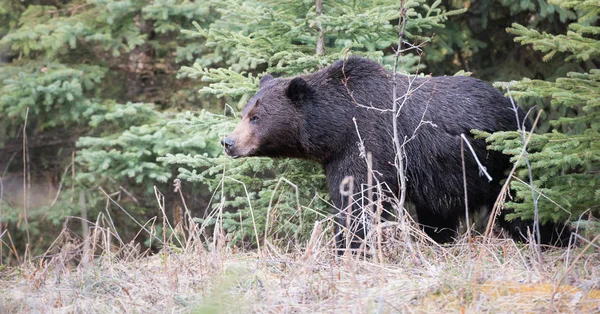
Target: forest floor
470 276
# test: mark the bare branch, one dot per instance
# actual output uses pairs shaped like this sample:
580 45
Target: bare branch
321 36
26 183
395 108
536 219
482 169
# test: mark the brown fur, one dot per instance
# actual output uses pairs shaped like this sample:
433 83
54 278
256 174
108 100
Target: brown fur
246 140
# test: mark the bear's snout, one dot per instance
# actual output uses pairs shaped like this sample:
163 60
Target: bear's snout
227 142
229 145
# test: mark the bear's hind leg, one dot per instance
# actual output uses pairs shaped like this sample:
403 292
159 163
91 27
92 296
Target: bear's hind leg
555 234
440 229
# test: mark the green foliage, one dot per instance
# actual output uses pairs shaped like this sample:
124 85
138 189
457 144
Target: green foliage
9 14
131 153
566 160
100 70
55 94
476 41
574 42
281 37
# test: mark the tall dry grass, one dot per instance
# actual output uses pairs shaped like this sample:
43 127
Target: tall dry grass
198 272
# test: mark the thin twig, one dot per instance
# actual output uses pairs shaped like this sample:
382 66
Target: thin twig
575 234
135 220
497 204
8 163
160 199
12 245
191 226
25 190
84 227
251 214
562 278
541 194
72 173
536 219
464 172
349 182
482 169
60 185
505 187
395 109
321 37
1 200
399 160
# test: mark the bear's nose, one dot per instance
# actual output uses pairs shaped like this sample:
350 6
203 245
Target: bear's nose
227 142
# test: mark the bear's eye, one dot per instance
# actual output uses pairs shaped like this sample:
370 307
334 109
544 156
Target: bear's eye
253 119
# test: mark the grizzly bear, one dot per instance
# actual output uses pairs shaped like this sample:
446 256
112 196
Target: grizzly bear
327 116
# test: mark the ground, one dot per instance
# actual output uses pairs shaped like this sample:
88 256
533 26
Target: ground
471 276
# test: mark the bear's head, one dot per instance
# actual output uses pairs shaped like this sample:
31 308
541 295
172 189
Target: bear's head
272 121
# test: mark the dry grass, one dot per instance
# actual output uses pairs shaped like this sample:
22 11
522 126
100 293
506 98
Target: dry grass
208 277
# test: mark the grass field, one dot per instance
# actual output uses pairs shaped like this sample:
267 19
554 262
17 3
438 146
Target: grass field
470 276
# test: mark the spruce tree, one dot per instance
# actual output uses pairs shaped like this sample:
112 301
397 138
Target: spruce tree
97 73
565 159
477 42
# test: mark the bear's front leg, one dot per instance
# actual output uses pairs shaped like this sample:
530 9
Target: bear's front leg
352 217
350 234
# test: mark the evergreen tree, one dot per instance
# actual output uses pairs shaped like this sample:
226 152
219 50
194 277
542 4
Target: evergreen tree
95 72
476 41
565 160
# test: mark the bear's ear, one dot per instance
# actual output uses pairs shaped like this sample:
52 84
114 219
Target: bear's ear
298 89
264 80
